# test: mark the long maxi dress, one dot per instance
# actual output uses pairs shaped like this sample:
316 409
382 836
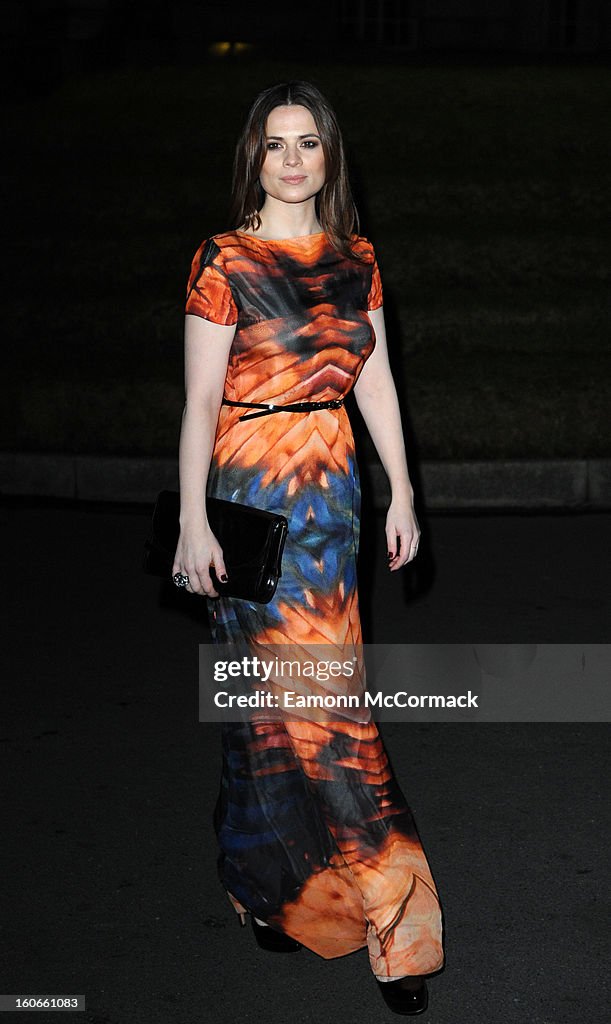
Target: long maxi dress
314 833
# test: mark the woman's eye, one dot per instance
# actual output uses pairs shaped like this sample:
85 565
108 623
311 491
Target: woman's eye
311 143
273 145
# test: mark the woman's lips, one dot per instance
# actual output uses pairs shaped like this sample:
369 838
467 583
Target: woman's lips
294 179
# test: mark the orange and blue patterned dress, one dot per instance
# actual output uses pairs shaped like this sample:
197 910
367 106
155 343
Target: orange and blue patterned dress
314 833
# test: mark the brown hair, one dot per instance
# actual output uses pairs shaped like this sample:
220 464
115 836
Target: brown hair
335 207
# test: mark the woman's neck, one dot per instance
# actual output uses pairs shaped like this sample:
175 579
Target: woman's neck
284 220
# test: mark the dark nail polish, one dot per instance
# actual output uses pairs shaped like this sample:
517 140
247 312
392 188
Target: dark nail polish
224 578
389 554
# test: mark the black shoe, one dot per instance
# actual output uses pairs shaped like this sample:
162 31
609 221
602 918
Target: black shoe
406 1001
273 941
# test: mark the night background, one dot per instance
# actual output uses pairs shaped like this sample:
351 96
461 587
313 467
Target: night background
478 137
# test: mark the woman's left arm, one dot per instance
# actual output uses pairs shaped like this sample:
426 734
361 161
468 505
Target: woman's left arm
376 398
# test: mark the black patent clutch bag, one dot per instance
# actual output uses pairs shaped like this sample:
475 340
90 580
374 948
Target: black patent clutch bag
251 538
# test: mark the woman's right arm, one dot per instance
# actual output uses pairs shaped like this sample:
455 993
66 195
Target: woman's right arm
207 348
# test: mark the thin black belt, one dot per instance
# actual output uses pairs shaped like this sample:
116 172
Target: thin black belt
333 403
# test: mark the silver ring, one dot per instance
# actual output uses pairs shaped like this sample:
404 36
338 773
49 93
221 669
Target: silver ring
180 579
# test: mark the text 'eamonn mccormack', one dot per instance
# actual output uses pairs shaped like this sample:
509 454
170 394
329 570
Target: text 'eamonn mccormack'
289 700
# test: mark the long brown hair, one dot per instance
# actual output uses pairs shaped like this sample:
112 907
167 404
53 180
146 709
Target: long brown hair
335 207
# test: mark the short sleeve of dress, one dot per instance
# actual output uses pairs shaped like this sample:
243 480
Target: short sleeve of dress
209 290
375 298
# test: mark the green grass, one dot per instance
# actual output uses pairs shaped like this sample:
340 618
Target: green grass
486 192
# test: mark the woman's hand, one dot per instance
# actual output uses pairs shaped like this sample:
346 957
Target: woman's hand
402 533
198 550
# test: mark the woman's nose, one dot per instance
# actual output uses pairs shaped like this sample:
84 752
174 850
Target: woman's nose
292 157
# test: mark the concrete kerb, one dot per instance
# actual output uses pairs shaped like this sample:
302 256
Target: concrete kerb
577 484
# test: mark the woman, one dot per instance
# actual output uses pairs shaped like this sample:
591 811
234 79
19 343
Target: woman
316 839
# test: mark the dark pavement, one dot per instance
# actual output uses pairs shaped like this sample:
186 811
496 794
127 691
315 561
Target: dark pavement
109 884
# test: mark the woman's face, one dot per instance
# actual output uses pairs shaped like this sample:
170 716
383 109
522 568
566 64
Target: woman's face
294 167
